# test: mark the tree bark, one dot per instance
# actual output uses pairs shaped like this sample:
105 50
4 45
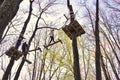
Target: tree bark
8 9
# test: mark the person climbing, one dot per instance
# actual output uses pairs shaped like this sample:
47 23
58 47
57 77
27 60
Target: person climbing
51 36
52 39
25 52
24 48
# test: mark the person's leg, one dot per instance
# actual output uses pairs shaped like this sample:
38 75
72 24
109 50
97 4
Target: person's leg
53 39
50 39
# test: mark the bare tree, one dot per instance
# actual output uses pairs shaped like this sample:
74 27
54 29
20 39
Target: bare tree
33 35
11 63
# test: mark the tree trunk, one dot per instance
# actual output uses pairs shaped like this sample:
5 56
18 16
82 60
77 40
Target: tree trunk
19 69
8 70
98 53
76 67
8 9
107 77
34 67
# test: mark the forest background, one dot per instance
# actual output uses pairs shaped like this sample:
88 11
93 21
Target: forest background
57 62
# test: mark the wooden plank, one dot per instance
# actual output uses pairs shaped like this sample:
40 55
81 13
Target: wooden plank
53 43
29 62
35 50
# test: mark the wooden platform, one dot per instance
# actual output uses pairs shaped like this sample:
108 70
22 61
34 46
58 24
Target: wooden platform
13 52
73 27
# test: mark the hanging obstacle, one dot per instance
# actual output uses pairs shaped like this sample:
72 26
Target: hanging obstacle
46 46
74 26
